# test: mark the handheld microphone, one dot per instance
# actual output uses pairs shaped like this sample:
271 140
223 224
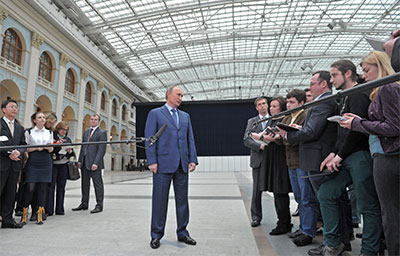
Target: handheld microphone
153 139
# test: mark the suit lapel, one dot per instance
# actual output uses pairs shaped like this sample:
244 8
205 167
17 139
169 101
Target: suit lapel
166 113
6 128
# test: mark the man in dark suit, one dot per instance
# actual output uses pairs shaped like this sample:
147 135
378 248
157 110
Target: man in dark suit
11 133
317 136
258 157
171 158
91 163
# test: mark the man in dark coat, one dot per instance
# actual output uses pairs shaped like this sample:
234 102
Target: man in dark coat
11 133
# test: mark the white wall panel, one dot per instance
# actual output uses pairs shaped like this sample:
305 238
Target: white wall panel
224 163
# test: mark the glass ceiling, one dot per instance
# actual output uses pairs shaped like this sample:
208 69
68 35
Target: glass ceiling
234 49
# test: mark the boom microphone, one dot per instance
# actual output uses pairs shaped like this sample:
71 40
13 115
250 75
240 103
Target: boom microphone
153 139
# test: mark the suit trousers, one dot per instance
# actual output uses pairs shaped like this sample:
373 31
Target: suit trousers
356 169
98 186
161 186
59 179
387 180
256 207
8 188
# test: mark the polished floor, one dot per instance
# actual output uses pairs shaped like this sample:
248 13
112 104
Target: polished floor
219 221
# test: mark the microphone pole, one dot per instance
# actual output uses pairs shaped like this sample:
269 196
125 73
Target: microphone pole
152 139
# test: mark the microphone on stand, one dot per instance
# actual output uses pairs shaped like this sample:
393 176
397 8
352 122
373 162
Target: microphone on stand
153 139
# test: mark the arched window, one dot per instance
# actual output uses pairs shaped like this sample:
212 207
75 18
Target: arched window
70 81
88 93
114 107
123 113
103 101
45 66
12 47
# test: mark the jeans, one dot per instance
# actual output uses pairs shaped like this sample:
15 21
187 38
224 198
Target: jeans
304 196
356 169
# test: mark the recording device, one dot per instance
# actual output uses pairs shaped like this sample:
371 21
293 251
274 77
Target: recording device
336 119
153 139
271 130
10 152
324 172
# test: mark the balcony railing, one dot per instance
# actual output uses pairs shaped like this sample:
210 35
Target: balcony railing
10 65
70 95
43 82
89 105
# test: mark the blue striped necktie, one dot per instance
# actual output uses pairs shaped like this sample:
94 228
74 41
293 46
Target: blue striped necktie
175 116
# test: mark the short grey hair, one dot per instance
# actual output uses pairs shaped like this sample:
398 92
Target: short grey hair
170 89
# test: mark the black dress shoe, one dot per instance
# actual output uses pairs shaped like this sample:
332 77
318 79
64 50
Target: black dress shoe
97 209
279 230
187 240
11 224
295 234
296 213
302 240
255 223
60 213
155 243
80 208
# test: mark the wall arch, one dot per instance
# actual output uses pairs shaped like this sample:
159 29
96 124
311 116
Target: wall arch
43 104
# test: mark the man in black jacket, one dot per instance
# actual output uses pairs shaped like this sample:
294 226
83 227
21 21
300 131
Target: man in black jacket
350 163
11 133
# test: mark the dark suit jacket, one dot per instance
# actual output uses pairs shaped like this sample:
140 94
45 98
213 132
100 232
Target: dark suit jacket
175 146
256 154
17 139
94 153
317 137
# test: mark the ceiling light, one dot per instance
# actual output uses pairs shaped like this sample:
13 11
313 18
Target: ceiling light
332 24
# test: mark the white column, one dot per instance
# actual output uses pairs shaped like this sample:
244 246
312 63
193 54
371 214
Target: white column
37 41
100 86
84 75
110 111
64 59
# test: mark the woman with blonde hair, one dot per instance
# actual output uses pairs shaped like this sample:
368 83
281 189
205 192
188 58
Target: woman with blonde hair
383 127
61 157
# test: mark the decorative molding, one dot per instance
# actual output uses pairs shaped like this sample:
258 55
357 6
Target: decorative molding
100 85
84 74
111 95
64 59
37 40
3 14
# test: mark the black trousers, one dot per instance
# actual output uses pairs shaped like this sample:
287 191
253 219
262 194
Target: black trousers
98 186
8 188
387 182
282 203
